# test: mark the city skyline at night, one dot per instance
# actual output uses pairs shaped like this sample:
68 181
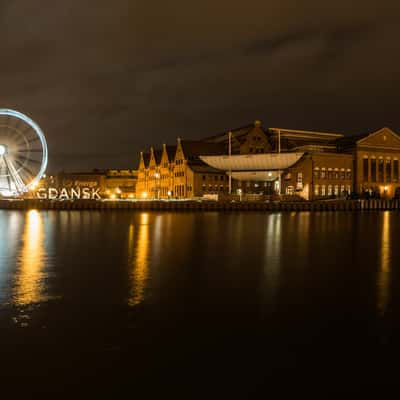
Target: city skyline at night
105 82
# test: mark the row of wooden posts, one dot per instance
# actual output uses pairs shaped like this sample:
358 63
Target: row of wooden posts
334 205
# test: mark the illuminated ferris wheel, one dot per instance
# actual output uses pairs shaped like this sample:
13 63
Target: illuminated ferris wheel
23 153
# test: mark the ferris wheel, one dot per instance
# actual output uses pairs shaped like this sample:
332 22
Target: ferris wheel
23 153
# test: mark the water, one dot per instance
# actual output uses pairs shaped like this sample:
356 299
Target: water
198 305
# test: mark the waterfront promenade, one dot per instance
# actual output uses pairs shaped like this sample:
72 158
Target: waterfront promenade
190 205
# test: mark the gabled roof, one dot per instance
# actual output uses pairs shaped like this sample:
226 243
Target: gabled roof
378 132
193 149
352 141
237 133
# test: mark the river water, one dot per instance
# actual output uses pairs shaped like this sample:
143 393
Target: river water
198 305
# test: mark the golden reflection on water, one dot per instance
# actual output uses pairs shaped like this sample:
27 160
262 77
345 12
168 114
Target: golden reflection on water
29 279
141 262
272 258
384 271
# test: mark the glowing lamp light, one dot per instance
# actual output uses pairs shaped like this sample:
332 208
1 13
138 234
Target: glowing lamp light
113 196
270 174
2 150
385 188
144 195
118 190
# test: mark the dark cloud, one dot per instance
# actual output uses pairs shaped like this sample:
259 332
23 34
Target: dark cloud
105 80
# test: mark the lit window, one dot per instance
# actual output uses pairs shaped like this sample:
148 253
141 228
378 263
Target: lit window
380 170
365 169
323 190
336 190
299 185
299 177
388 170
290 190
316 190
395 170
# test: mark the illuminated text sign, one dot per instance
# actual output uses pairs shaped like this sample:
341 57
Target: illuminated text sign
76 193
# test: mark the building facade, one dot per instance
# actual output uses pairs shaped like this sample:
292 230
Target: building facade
376 164
176 172
253 160
111 183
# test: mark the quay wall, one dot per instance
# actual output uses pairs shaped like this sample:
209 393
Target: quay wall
335 205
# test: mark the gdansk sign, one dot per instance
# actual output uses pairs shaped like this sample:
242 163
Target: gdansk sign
75 193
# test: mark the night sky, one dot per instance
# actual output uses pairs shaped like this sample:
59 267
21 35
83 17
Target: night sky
106 79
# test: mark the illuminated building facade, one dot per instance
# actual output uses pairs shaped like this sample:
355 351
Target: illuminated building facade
111 183
376 162
121 183
263 162
178 172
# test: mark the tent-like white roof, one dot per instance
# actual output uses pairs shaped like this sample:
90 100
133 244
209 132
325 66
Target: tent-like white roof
253 162
255 175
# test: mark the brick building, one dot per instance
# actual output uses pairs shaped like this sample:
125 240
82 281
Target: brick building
266 161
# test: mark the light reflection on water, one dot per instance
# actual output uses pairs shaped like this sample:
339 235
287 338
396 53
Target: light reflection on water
140 267
30 278
279 257
384 267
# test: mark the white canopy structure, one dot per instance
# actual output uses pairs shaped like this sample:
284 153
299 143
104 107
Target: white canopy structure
255 175
253 162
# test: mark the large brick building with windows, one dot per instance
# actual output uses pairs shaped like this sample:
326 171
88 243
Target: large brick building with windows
376 161
267 161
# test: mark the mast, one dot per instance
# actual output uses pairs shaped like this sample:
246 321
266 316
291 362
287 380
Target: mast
230 167
279 151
